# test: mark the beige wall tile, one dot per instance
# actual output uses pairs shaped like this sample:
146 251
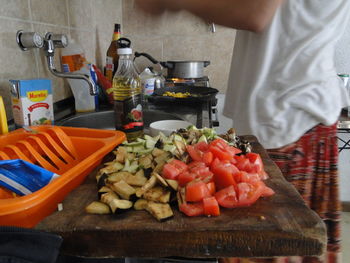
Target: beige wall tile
50 11
14 8
106 14
86 40
136 22
15 64
80 14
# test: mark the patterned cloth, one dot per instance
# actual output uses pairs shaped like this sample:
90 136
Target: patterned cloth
311 165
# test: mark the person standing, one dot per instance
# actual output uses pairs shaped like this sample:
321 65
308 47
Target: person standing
284 89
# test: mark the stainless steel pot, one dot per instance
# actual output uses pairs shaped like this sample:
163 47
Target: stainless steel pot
179 69
185 69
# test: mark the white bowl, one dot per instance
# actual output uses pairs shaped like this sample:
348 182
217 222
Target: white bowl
167 126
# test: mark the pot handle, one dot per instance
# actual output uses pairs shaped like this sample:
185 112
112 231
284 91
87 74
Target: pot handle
206 63
150 58
167 65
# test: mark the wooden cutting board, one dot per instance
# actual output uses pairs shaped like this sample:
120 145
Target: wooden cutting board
280 225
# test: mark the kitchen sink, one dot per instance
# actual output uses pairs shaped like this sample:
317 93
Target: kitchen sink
105 119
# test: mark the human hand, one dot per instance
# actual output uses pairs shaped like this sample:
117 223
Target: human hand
154 7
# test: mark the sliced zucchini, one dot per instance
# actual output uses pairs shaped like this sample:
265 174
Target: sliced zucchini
160 211
130 167
112 167
97 208
140 204
123 189
170 148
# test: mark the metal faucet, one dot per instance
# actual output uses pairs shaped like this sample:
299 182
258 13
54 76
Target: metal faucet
27 40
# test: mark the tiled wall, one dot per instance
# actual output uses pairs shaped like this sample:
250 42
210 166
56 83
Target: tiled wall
90 22
180 36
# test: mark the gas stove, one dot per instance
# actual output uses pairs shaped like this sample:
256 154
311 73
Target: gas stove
197 82
203 113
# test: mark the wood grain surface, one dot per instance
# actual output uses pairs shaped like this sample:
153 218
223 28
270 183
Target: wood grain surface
280 225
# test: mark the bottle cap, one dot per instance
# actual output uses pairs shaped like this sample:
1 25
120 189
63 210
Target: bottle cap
124 51
116 27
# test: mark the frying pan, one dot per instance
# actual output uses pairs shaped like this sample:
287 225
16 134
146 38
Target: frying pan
198 94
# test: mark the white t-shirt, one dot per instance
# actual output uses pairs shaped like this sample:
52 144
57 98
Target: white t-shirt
283 81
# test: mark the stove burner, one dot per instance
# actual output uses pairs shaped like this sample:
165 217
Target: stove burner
197 82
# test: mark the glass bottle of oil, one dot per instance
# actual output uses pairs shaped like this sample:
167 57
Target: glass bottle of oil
127 90
112 57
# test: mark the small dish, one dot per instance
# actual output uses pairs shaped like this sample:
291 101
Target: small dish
167 126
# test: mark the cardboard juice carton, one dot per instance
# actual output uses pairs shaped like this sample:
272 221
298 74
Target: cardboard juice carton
32 102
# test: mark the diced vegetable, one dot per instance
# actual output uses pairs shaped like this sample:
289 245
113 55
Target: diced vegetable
98 208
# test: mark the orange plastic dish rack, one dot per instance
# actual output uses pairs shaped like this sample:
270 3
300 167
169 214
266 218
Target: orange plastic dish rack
70 152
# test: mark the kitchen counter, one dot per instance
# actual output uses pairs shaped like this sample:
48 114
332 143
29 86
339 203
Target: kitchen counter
280 225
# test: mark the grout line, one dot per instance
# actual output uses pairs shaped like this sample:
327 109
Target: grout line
36 54
44 24
68 18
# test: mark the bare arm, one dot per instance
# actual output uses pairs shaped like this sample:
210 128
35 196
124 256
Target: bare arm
252 15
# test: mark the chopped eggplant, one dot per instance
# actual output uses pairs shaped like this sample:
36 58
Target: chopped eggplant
157 194
136 180
103 190
121 154
123 189
160 211
110 199
98 208
159 167
173 184
146 161
157 152
140 204
161 180
102 181
150 184
116 177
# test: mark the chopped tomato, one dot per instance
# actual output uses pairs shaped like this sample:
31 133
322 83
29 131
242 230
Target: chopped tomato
196 191
267 192
233 150
251 178
220 143
227 197
192 209
224 174
211 187
202 146
181 166
195 154
195 164
248 194
186 177
170 171
221 154
243 163
208 158
211 206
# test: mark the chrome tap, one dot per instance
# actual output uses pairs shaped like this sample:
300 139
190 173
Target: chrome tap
27 40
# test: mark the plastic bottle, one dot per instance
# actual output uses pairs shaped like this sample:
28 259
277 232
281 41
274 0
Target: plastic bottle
148 79
112 57
73 60
127 90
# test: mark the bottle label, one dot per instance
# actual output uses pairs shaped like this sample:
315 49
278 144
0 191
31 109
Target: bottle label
109 68
73 62
129 116
149 86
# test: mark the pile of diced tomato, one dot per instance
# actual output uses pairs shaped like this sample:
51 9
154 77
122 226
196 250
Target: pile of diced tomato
219 175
